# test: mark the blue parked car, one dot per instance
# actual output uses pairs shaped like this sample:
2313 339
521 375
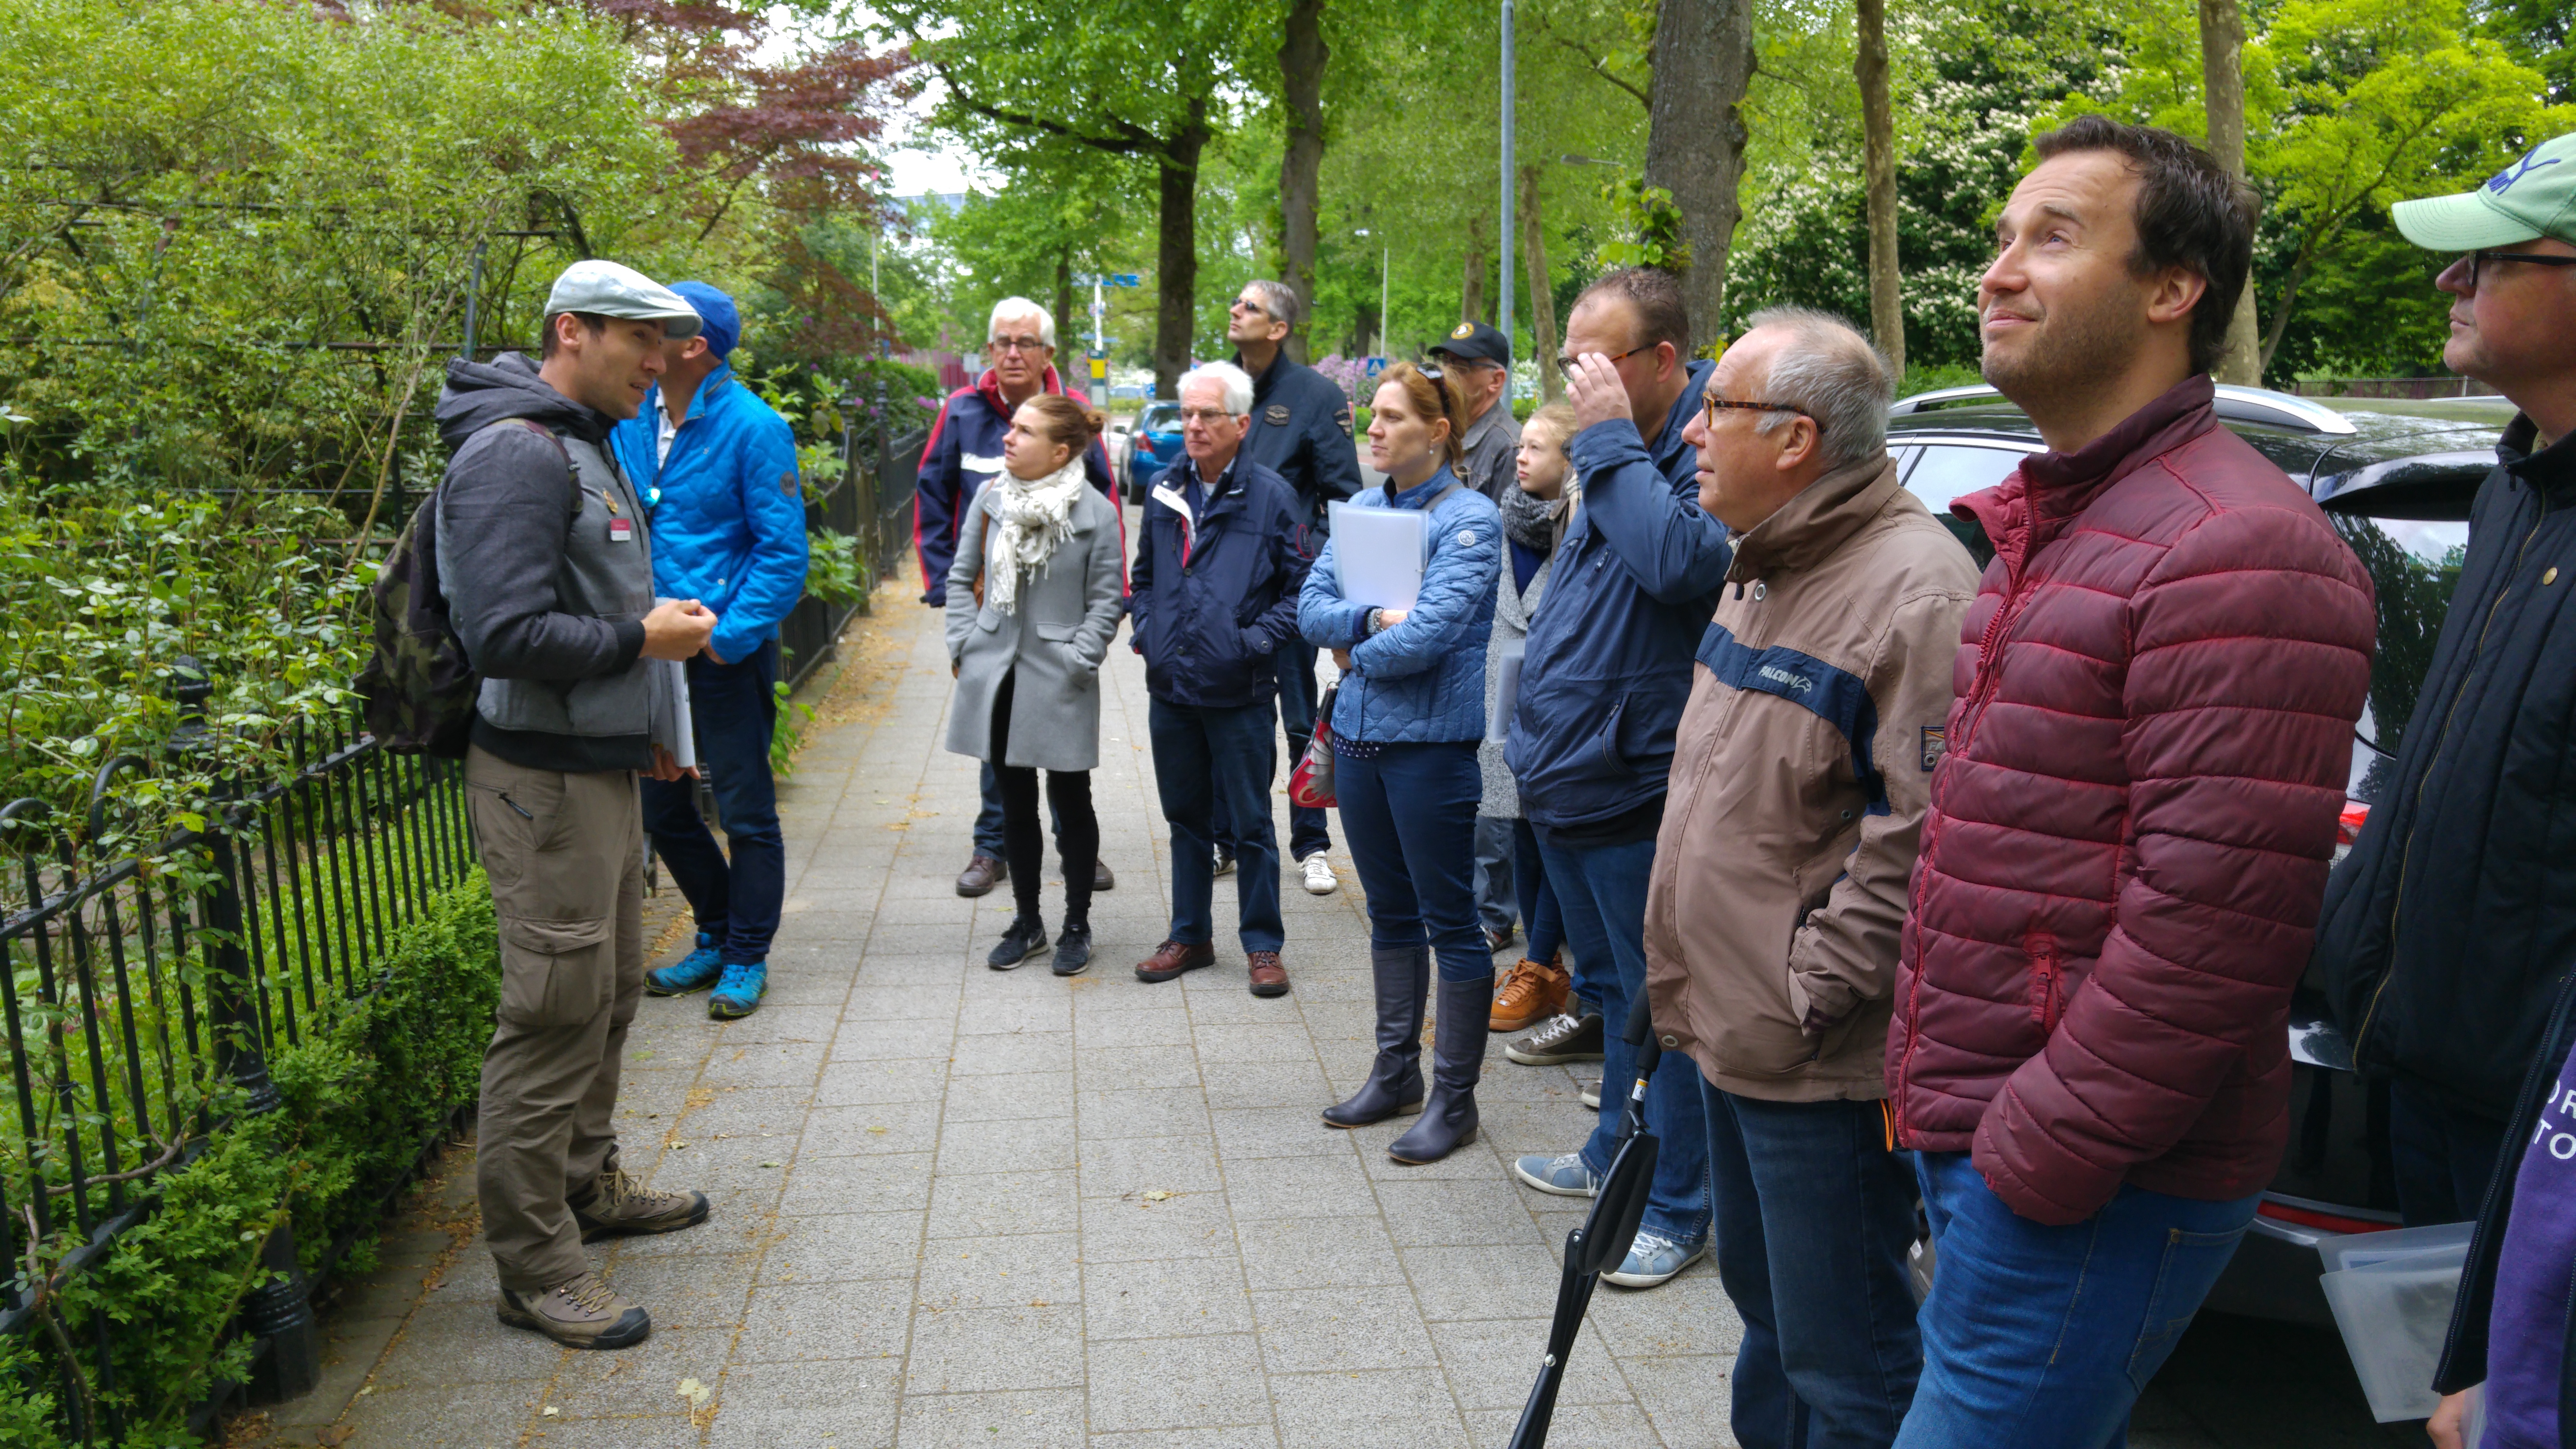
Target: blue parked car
1157 446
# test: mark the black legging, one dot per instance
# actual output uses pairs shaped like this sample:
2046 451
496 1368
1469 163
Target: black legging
1078 830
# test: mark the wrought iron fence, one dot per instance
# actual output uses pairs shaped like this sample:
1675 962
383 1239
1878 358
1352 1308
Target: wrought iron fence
871 503
144 984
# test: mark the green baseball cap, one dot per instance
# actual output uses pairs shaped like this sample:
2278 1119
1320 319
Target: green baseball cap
2533 197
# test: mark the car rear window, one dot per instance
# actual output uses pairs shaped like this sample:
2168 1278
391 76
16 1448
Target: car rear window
2414 565
1949 470
1160 418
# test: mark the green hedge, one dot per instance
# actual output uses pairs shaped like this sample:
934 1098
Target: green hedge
360 1098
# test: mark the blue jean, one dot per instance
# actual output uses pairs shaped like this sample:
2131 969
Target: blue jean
1541 922
2041 1337
1496 904
1307 832
1814 1214
1602 891
1409 817
988 820
736 901
1203 756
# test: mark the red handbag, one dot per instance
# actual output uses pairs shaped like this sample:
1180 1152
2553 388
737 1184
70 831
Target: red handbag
1310 785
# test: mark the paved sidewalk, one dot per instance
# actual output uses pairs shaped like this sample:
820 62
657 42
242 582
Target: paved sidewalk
955 1206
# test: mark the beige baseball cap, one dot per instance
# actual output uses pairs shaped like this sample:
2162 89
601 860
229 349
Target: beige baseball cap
2533 197
609 290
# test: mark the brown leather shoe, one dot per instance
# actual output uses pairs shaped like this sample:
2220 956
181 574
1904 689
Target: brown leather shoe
1269 978
1533 992
1101 879
981 875
1172 958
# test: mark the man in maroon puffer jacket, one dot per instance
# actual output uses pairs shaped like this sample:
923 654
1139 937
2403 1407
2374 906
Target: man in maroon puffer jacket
2130 828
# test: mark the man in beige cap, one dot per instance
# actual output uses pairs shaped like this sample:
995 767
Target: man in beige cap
548 572
2445 933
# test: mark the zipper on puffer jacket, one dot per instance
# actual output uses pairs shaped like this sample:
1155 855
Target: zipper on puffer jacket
1980 692
2406 855
2047 980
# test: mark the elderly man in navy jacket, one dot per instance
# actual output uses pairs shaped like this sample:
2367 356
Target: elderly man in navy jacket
1601 693
1214 595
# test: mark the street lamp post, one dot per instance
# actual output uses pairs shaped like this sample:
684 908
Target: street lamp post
1503 311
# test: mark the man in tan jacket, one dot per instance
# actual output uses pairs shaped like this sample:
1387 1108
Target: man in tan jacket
1798 785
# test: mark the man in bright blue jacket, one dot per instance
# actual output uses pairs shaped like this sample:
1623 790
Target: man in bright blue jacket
716 468
1607 671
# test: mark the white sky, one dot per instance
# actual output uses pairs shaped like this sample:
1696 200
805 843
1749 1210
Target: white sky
919 162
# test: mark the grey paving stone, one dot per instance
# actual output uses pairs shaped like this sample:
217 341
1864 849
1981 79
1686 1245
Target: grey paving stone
1006 1098
1164 1384
825 1320
870 1129
1037 1419
980 1350
843 1247
1397 1409
1173 1298
1116 1068
889 1183
475 1416
1689 1315
1318 1253
1236 1436
1492 1363
1244 1133
1312 1330
1097 1030
1455 1213
642 1380
463 1342
1003 1202
1298 1187
848 1404
929 1000
866 1039
1138 1230
1590 1426
1686 1397
855 1083
1031 1269
1233 1085
657 1432
1020 1145
1120 1166
705 1291
1146 1112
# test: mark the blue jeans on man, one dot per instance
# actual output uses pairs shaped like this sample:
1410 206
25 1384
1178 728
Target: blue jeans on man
2042 1337
1601 893
1308 832
1205 759
736 900
1814 1214
1497 908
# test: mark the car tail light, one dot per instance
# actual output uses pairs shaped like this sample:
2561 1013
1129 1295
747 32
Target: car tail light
2324 1222
2348 827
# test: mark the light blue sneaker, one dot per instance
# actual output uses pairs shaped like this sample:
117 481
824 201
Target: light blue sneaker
694 972
1655 1259
740 992
1565 1176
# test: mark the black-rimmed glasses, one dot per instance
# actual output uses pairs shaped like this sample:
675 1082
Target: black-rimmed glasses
2477 260
1565 364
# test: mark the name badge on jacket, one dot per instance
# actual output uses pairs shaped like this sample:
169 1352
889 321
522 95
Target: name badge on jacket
621 530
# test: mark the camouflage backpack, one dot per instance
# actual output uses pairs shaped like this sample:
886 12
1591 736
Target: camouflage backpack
419 688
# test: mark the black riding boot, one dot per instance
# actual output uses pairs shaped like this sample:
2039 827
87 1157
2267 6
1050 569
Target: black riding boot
1457 1061
1394 1086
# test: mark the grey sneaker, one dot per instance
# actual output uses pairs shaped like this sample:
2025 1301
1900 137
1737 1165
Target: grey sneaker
1565 1176
580 1313
1560 1038
1655 1259
622 1206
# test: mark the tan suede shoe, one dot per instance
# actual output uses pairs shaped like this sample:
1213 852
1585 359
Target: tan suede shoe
1532 992
580 1313
622 1206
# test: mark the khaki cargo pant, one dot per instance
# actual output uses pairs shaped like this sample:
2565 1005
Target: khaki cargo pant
565 853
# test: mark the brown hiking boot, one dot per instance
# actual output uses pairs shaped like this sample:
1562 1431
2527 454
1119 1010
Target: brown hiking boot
622 1206
1533 992
981 874
581 1313
1269 978
1172 958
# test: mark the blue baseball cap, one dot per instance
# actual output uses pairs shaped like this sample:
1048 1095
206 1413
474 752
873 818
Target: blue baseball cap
723 323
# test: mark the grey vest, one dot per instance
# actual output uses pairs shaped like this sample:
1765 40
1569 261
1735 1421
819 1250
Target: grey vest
602 578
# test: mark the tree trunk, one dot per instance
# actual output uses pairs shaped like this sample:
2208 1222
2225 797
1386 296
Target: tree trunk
1703 60
1069 339
2222 86
1302 55
1542 298
1176 283
1471 289
1878 146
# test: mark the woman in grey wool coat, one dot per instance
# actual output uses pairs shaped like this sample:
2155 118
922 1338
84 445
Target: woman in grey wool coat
1034 600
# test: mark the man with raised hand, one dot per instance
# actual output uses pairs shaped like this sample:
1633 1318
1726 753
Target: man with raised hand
2132 809
717 469
964 452
1607 671
1300 430
547 565
1213 592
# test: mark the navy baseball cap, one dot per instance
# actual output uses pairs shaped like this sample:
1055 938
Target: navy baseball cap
723 322
1476 342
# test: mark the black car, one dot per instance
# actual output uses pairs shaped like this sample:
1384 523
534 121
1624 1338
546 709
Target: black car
2397 479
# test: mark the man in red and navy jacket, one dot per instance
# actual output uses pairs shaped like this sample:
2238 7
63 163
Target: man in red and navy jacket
963 454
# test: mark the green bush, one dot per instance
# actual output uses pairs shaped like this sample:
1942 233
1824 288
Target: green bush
361 1095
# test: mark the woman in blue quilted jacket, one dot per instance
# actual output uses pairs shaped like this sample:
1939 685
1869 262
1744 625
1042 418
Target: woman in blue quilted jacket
1406 721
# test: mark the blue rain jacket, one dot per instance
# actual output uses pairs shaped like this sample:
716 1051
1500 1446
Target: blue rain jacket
1424 679
728 513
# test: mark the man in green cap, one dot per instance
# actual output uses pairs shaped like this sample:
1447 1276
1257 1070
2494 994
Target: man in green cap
2447 929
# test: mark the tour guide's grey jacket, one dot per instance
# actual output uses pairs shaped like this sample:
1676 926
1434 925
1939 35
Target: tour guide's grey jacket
545 588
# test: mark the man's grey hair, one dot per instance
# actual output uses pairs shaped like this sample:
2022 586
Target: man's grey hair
1234 385
1278 299
1829 369
1015 307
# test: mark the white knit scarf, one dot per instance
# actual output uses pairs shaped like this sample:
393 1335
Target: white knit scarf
1030 517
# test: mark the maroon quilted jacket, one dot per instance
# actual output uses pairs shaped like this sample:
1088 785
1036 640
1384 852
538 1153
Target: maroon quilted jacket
2129 831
